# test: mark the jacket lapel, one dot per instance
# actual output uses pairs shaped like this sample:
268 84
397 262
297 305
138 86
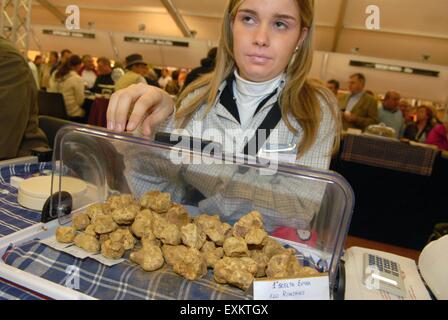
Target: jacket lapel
360 103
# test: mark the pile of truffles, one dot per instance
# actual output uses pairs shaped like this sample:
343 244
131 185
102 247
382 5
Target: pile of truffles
160 231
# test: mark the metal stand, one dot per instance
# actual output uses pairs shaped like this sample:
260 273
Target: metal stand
15 18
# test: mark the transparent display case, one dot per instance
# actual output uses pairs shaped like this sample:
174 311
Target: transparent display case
304 209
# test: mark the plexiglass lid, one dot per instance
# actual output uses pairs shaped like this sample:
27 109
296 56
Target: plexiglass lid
303 205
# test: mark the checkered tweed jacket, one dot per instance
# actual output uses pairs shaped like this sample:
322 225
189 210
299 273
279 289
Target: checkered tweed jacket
282 199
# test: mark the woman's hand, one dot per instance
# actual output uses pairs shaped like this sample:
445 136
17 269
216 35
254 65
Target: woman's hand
151 106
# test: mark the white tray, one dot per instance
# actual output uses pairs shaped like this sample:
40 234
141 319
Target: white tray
27 280
59 292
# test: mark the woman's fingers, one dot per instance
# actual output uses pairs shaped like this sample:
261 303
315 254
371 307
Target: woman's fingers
158 115
124 104
120 104
111 109
143 107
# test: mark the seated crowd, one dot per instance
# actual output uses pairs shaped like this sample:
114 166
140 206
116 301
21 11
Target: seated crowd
77 78
360 109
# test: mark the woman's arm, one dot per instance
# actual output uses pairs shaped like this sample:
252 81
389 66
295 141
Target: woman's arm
79 91
149 107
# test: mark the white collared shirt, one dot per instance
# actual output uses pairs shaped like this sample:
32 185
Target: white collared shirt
353 100
249 95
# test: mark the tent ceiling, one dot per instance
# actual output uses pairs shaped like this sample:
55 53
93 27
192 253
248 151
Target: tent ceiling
409 28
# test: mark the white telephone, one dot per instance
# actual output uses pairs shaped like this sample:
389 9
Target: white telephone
377 275
383 274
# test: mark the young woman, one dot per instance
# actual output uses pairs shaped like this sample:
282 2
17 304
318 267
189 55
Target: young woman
67 81
439 135
420 130
265 52
260 81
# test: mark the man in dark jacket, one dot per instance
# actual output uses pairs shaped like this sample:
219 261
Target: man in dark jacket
360 109
19 128
104 79
207 65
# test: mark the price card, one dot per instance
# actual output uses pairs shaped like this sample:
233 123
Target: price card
311 288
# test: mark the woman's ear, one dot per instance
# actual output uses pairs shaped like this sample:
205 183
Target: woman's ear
303 36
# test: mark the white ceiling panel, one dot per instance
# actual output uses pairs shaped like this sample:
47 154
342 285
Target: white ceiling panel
416 21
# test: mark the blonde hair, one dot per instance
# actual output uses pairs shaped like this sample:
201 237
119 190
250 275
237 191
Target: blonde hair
299 96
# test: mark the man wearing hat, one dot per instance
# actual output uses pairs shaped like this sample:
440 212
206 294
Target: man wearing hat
136 71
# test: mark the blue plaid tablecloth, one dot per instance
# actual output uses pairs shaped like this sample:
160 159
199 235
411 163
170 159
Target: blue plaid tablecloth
125 281
10 292
14 217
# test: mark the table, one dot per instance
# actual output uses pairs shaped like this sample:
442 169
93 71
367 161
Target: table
98 112
14 218
364 243
395 206
104 283
9 291
389 153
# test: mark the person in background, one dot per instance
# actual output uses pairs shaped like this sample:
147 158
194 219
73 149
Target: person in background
35 69
360 109
104 75
207 66
165 78
418 131
66 80
65 55
19 125
47 69
182 77
370 93
39 62
88 72
333 85
390 114
117 71
439 135
405 108
173 87
151 77
136 71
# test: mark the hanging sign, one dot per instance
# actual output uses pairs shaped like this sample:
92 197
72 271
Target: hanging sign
65 33
394 68
154 41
